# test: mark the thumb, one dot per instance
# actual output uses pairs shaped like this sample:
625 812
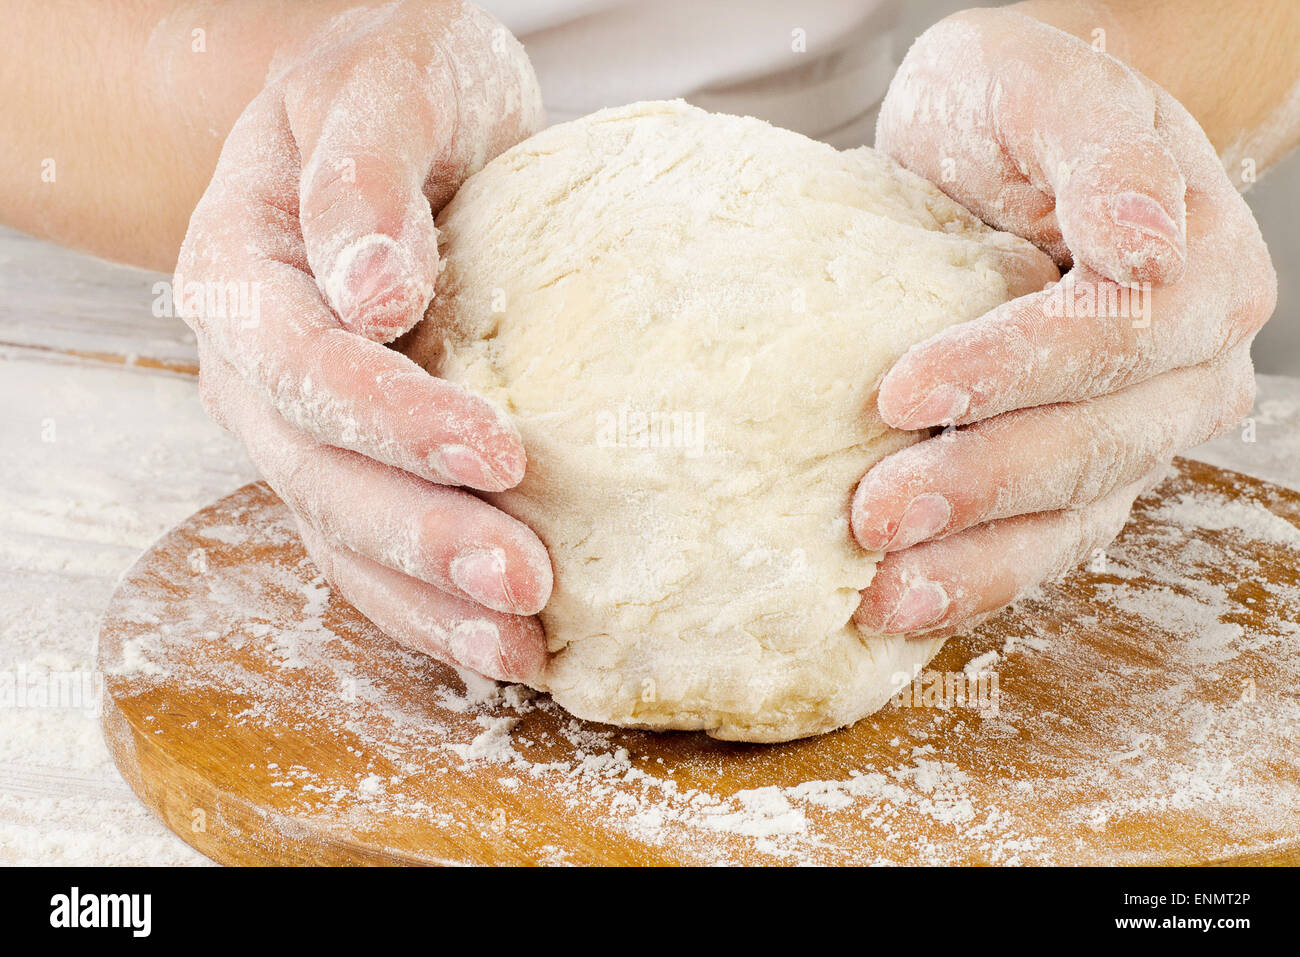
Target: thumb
1120 202
395 117
369 237
1042 135
368 137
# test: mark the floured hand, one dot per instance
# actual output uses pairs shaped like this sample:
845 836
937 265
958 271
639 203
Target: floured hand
322 205
1066 412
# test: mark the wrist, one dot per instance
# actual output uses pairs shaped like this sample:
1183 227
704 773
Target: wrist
206 60
1191 48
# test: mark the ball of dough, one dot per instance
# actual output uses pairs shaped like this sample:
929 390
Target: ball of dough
687 315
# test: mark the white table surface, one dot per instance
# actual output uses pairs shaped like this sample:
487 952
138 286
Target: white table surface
100 457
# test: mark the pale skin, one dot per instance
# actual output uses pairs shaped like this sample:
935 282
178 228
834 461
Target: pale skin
345 126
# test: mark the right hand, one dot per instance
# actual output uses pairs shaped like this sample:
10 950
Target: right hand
322 203
1063 420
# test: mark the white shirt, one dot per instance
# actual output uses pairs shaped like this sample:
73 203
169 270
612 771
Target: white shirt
819 67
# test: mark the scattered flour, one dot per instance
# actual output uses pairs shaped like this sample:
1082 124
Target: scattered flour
1155 726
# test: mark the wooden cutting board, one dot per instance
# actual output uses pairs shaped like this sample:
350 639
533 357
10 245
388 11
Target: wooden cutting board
1145 710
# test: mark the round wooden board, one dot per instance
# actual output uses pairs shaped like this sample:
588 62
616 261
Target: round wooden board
1142 712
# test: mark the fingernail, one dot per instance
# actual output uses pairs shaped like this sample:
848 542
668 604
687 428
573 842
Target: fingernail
367 272
476 644
481 574
461 465
1143 213
924 516
922 603
942 406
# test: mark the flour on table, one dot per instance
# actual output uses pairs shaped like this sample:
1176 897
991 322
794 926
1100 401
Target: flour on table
1151 729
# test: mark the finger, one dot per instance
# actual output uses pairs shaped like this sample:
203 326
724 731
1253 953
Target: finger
439 535
420 616
948 586
1047 458
371 241
1024 269
356 394
1079 167
367 227
1120 194
1087 336
407 111
339 387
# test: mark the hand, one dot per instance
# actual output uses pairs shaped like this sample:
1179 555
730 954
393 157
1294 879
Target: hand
1066 418
320 212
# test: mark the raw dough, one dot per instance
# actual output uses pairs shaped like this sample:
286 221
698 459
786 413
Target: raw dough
687 315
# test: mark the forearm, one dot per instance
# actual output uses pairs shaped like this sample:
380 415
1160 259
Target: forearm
115 112
1234 64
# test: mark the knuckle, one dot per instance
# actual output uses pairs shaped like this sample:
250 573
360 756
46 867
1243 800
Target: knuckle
1241 395
1264 301
344 182
1230 393
1099 533
294 480
1258 301
1107 455
1093 527
436 539
319 553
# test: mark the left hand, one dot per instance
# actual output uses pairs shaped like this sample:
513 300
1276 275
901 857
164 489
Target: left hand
323 203
1067 419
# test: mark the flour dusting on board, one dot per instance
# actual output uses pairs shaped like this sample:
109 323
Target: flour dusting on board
1150 729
